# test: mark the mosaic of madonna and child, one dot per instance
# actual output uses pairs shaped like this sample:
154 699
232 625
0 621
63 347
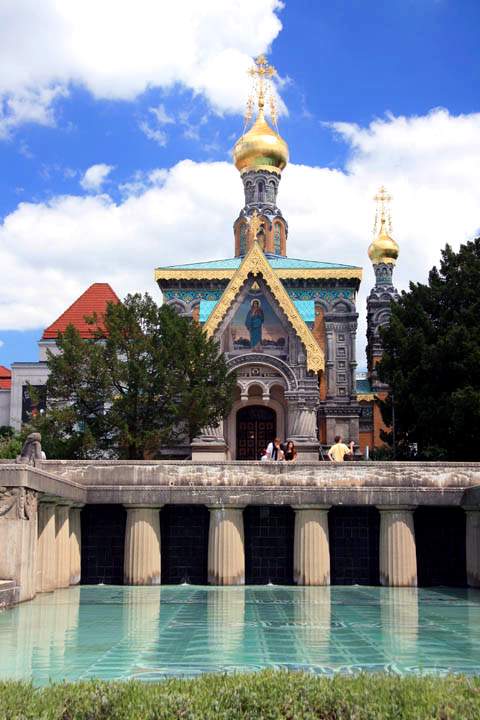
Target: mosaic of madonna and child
255 327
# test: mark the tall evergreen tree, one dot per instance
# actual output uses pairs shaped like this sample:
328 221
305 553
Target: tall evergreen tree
147 379
431 360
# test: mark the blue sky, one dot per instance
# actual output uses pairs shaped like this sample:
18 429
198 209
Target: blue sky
380 69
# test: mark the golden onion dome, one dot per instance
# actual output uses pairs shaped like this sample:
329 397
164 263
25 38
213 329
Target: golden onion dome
261 148
383 249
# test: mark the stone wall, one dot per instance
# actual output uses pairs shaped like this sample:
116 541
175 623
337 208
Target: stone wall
256 483
18 539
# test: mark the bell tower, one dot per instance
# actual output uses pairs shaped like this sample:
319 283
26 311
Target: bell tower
260 155
383 253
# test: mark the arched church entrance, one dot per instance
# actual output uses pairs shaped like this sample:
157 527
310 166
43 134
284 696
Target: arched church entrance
256 427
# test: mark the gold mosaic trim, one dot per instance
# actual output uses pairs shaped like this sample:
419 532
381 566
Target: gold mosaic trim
255 263
365 397
284 274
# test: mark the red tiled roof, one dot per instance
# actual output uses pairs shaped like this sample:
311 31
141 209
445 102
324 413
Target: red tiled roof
93 300
5 378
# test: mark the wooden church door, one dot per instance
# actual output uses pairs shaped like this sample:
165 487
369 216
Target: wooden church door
256 427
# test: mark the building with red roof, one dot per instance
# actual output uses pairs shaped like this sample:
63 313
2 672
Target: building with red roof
5 385
14 384
5 378
93 301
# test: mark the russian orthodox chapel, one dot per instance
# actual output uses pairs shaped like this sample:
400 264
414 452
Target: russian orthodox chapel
286 326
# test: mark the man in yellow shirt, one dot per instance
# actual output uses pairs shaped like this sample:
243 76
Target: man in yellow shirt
338 451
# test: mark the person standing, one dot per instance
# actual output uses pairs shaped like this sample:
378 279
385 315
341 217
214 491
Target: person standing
339 450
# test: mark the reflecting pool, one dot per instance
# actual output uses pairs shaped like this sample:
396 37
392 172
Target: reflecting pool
154 632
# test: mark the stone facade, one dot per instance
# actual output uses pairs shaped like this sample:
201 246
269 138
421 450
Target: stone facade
378 315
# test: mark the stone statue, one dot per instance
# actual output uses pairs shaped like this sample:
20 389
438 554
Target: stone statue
32 449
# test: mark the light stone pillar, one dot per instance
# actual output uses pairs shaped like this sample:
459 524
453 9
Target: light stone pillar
75 545
62 545
398 559
311 549
210 444
473 547
226 546
46 548
142 546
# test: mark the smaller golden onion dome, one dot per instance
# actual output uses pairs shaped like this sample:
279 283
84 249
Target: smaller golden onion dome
260 148
383 249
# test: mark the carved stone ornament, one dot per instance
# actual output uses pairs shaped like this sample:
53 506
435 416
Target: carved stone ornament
17 503
32 449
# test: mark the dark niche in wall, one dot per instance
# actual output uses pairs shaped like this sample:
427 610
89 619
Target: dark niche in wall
354 545
440 540
103 542
269 545
184 536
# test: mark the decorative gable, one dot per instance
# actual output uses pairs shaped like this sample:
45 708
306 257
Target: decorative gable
255 324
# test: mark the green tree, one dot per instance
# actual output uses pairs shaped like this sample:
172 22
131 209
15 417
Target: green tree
431 360
10 442
147 379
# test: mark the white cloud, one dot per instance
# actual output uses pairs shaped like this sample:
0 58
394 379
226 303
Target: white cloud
27 105
117 50
156 134
161 115
430 164
2 343
95 176
161 118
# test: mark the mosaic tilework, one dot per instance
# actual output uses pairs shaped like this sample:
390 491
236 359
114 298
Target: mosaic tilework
151 633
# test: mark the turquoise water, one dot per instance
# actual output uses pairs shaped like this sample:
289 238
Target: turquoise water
154 632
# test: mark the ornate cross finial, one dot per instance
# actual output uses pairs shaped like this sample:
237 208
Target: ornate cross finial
261 74
383 217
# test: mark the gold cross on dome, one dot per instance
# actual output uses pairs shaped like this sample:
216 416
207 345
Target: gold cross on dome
261 74
262 68
383 218
382 195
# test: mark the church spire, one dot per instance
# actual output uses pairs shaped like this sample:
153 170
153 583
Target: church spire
260 155
383 249
383 253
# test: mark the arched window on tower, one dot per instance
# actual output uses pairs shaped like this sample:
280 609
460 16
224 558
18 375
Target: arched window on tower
271 192
277 239
243 239
261 191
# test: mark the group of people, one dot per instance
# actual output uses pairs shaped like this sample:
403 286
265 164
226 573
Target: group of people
276 450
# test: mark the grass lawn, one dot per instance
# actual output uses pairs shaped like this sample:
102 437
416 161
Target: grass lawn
265 695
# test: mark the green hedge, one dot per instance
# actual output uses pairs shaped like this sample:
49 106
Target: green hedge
267 695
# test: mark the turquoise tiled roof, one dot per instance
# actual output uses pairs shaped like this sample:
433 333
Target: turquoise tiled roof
206 309
306 309
277 263
363 386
